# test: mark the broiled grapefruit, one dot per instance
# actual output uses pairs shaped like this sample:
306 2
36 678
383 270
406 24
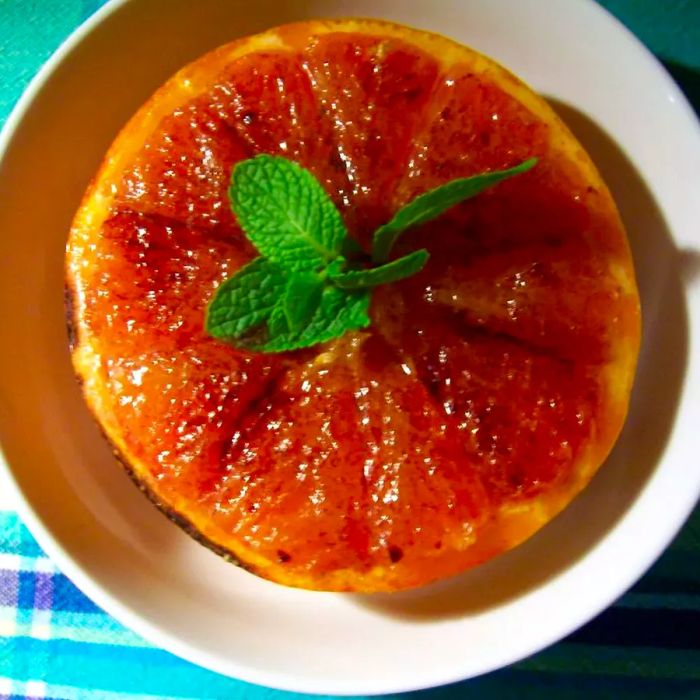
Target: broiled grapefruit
489 387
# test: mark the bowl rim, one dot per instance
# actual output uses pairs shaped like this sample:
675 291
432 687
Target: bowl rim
134 620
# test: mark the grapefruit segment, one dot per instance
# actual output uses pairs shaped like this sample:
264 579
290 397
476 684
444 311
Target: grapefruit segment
520 414
266 99
555 298
373 92
490 386
470 126
183 169
178 409
155 276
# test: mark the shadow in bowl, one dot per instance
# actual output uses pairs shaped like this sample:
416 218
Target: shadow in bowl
661 271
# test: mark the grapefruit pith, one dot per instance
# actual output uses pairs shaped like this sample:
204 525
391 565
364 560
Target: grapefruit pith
490 386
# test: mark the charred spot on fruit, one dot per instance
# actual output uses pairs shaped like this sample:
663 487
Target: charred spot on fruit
395 554
283 557
336 162
71 326
249 117
414 93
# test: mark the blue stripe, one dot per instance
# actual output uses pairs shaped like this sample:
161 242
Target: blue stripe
518 684
668 629
588 672
114 668
15 538
66 597
630 662
659 601
25 592
677 571
95 627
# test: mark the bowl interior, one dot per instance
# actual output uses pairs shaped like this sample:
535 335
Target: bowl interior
126 555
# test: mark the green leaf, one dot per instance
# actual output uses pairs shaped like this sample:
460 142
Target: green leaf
302 296
286 213
339 311
336 267
385 274
245 300
435 202
277 323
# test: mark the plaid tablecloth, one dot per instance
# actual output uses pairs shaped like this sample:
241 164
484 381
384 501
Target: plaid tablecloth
55 643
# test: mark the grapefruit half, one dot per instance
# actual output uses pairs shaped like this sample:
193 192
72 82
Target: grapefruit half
489 388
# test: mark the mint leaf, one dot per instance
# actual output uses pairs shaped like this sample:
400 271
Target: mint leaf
336 267
309 285
339 311
286 213
302 296
391 272
245 300
277 323
431 204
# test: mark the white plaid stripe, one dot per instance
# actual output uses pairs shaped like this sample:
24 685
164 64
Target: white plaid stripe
66 692
32 622
35 689
29 689
93 628
16 562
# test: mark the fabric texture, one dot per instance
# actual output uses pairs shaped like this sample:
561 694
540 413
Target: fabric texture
56 643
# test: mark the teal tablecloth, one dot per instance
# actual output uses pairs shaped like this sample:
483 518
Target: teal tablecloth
55 643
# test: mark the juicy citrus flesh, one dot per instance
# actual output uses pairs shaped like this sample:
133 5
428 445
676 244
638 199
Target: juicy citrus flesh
490 386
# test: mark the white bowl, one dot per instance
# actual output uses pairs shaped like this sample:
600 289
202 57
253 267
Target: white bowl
151 576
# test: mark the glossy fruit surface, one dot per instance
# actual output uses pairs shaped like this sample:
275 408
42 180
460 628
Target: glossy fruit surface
489 388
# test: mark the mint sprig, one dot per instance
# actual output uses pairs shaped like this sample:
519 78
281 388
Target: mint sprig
431 204
303 290
384 274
